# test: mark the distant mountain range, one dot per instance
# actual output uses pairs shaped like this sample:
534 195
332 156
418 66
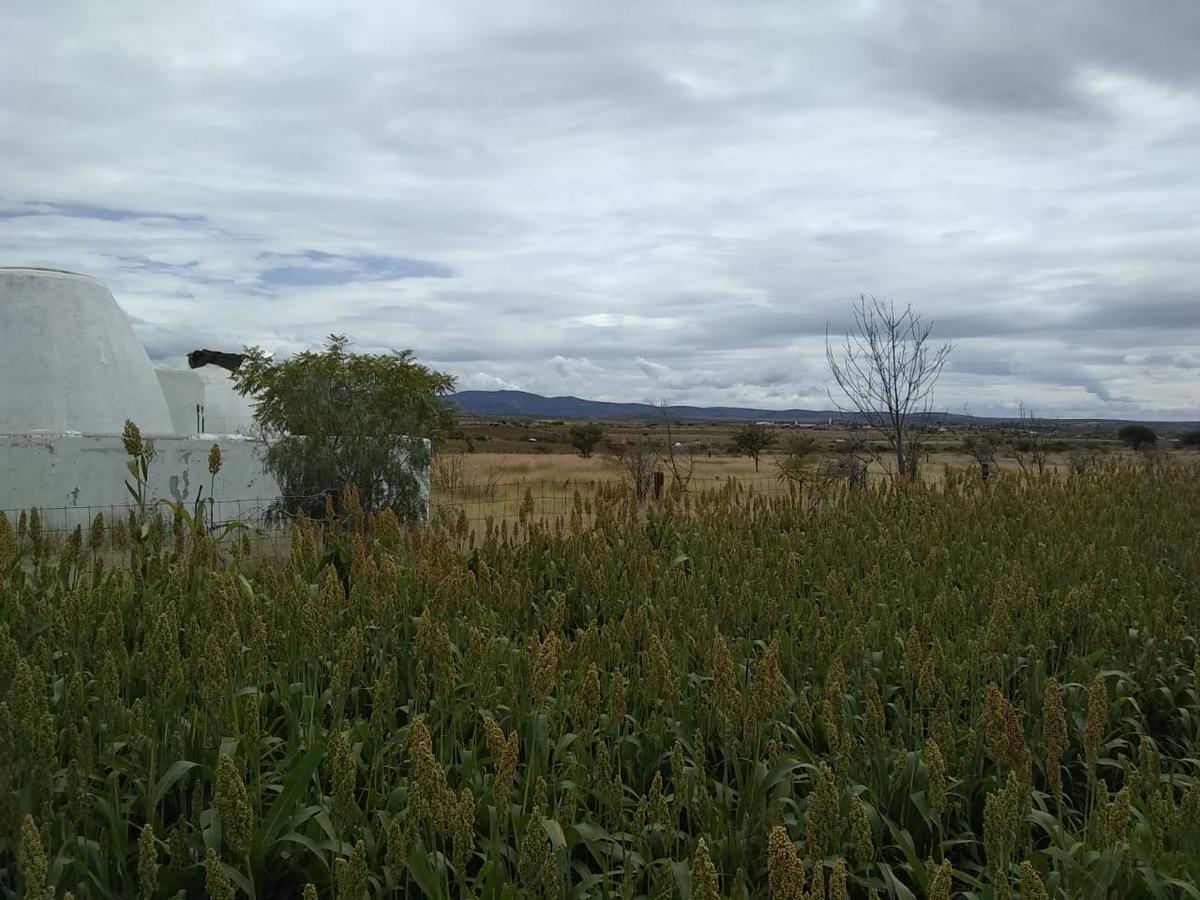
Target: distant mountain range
520 404
523 405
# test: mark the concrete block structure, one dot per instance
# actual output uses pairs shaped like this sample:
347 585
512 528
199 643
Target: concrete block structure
72 371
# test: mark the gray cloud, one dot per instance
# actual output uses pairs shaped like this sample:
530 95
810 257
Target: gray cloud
630 201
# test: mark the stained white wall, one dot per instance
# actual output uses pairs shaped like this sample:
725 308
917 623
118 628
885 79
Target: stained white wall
184 392
225 410
69 360
72 477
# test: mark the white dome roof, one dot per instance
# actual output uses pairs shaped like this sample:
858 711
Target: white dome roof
69 361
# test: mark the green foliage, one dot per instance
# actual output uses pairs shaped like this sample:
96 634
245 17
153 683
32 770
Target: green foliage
586 438
799 452
1137 437
752 440
333 418
950 691
1191 440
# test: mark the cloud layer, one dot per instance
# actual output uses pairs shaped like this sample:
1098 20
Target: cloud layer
630 201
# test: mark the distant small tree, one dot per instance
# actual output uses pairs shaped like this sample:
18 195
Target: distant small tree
1028 447
331 418
1191 440
638 460
586 438
752 440
980 448
1082 459
797 461
681 460
885 372
850 461
1138 437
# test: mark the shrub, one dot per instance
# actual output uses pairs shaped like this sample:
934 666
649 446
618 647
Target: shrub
331 419
1137 437
586 438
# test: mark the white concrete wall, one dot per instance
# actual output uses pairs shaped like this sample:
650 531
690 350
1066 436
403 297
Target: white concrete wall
72 477
184 392
225 410
69 360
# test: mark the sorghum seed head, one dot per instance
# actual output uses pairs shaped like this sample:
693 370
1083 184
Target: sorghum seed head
837 881
784 871
1097 720
1002 728
399 842
147 862
32 860
351 874
617 696
935 765
1054 735
768 688
704 874
1032 886
342 771
131 439
940 883
821 815
864 843
588 704
233 805
216 880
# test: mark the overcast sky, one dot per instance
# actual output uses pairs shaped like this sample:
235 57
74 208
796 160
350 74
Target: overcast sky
629 200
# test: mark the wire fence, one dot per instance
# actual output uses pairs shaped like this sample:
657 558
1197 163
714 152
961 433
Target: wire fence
250 521
263 520
255 512
481 501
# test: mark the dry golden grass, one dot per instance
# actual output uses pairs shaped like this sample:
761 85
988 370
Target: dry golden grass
495 484
484 485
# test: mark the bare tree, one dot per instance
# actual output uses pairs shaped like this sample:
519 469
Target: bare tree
681 460
1028 448
982 449
638 459
1081 459
849 461
886 370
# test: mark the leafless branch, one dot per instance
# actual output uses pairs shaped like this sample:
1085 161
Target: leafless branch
885 371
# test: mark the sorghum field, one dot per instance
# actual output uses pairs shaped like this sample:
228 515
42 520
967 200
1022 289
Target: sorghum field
971 689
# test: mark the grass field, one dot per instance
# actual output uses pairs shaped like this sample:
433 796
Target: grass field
948 690
493 479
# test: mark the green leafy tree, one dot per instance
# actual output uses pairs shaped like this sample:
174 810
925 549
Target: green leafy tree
331 418
586 438
1138 437
1191 440
752 440
799 453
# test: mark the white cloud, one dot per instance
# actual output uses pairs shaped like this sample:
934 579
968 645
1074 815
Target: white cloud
628 199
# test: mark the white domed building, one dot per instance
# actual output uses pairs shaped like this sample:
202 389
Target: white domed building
69 361
72 371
